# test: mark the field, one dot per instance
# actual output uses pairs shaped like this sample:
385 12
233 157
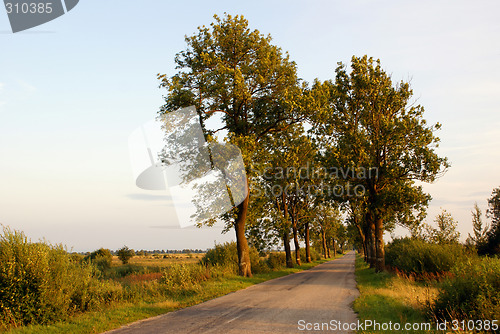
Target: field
160 260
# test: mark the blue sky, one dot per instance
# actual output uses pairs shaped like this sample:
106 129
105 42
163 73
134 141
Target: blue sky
72 91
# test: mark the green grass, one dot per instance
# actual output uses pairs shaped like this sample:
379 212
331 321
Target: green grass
117 315
386 297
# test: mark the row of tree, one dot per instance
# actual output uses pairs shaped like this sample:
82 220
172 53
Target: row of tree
348 149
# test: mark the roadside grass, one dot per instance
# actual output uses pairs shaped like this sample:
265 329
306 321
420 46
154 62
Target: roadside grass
388 298
123 313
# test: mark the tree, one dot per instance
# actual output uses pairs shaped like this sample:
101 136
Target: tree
491 246
125 254
326 223
445 233
371 128
101 258
447 229
231 70
280 183
480 231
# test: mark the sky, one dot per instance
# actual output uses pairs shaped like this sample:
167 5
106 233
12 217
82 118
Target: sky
74 89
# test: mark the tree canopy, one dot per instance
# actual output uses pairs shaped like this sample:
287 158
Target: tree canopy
366 138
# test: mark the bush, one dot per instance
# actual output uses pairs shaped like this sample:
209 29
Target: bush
225 255
314 255
414 256
129 269
101 258
186 279
41 283
276 260
125 254
258 266
184 276
472 292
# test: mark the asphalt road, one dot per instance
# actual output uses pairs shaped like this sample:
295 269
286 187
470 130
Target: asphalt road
323 294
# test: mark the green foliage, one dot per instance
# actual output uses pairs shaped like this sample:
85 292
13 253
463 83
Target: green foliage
186 277
472 293
125 254
491 245
259 265
101 258
415 256
41 283
229 68
447 229
314 254
129 269
225 255
276 260
479 231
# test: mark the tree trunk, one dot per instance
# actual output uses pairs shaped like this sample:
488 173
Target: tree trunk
323 242
334 248
370 236
328 248
379 240
288 252
308 246
296 239
363 239
244 267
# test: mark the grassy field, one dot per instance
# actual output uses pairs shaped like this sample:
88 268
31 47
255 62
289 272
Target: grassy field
388 298
159 260
115 315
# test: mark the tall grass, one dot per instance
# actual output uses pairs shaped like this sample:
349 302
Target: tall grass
472 293
386 297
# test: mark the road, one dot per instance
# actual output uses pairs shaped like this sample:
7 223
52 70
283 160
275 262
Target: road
323 294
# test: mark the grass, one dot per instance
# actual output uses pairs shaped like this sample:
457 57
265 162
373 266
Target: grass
117 315
159 260
386 297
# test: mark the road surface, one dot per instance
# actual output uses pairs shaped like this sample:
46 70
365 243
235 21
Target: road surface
290 304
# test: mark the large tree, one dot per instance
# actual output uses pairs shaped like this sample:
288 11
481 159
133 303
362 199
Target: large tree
372 129
491 244
231 70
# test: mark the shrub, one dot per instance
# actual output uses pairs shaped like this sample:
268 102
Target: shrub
472 292
226 255
222 255
101 258
258 265
129 269
183 275
276 260
185 279
40 283
125 254
314 254
414 256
